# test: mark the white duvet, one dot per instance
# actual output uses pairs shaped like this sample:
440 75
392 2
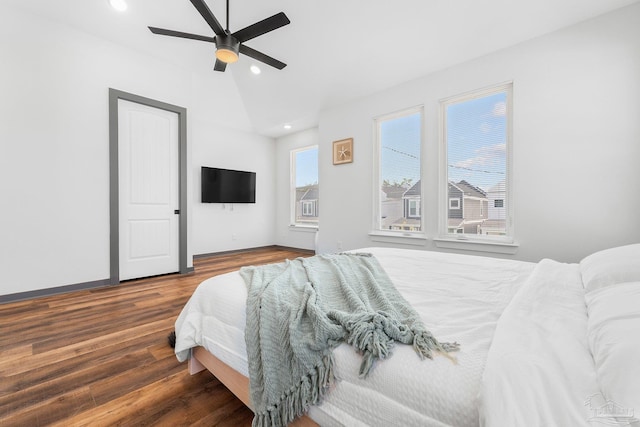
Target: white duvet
460 298
546 344
539 370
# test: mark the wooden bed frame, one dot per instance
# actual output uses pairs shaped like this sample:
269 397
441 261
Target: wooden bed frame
237 383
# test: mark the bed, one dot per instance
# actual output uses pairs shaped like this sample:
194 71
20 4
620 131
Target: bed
541 343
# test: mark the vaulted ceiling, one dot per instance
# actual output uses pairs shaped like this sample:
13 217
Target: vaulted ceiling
335 51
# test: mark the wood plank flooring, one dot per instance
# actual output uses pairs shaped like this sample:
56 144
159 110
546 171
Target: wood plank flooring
101 358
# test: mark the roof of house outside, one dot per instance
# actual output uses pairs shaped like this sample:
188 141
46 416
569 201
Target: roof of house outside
500 187
308 192
413 191
470 189
494 223
407 221
455 222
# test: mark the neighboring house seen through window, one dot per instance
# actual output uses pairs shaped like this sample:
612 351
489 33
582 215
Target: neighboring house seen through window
477 143
304 186
398 138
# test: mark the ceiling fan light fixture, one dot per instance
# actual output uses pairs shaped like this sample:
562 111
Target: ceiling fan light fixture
226 55
228 48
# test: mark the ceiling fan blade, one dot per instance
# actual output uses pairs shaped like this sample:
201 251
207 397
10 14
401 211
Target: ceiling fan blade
164 32
269 24
262 57
206 13
220 66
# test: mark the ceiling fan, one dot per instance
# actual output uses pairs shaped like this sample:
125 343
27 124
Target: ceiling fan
228 44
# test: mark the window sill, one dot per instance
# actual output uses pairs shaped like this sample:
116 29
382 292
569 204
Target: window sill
477 245
398 238
304 228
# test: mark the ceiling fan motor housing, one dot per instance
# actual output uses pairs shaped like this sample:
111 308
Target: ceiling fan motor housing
227 48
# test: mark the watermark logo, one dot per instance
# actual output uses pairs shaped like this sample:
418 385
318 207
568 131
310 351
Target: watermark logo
610 412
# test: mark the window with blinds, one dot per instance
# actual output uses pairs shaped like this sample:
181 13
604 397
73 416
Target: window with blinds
305 207
399 138
477 143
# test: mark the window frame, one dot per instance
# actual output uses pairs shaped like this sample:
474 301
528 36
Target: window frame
377 233
292 189
444 235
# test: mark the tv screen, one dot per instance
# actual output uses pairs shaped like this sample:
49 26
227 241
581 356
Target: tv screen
228 186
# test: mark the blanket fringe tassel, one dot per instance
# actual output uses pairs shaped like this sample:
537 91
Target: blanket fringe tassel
297 400
374 334
424 344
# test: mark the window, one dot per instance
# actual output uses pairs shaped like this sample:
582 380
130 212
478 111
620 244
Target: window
308 208
414 208
304 186
399 197
476 143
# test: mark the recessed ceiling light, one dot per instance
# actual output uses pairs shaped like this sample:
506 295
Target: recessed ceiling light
255 69
119 5
287 126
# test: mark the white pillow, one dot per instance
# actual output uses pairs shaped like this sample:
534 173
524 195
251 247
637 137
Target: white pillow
614 339
611 266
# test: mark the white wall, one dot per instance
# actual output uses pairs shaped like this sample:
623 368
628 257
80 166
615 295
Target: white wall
221 227
54 162
576 141
295 237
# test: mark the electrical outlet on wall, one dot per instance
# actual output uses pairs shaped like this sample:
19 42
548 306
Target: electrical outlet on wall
339 245
234 236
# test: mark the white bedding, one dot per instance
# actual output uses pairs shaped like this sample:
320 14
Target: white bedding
460 298
539 370
546 344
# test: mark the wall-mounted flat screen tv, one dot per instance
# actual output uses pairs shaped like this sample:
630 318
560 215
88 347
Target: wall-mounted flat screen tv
228 186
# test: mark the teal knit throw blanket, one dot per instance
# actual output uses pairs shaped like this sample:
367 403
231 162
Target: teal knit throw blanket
299 311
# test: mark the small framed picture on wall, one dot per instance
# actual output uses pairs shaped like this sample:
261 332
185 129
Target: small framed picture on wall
343 151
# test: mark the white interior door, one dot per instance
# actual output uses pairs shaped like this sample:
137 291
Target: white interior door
148 190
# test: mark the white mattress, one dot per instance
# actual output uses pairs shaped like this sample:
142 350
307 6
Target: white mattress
459 297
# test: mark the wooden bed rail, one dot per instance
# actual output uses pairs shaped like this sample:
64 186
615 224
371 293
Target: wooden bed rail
237 383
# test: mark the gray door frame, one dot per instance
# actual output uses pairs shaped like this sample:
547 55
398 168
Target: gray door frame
114 190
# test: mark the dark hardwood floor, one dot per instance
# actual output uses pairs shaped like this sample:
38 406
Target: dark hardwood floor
101 358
